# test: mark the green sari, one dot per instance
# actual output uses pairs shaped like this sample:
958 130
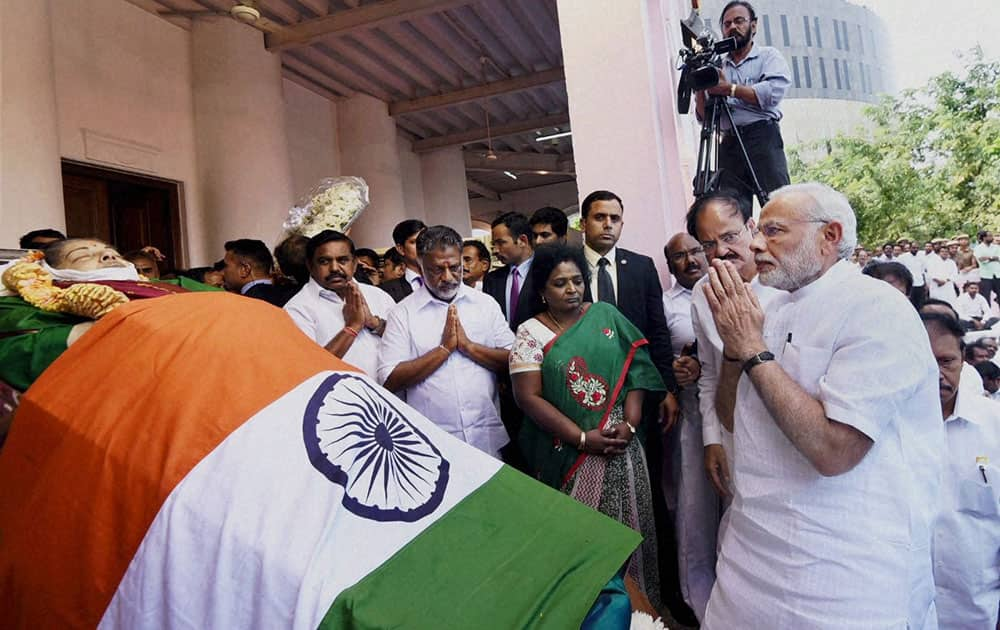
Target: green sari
587 372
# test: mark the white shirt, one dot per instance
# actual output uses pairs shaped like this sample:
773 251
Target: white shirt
593 258
914 265
460 396
967 534
415 279
710 354
854 550
319 313
522 276
972 308
940 269
677 310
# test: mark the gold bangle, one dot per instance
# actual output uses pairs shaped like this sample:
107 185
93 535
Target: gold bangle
350 331
583 441
630 427
446 350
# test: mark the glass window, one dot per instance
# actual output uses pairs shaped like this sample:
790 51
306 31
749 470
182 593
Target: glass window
836 33
819 34
784 30
767 30
847 40
861 39
864 78
822 73
795 71
808 72
836 72
847 76
805 29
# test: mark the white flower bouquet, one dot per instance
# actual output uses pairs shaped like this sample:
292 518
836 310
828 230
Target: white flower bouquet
334 204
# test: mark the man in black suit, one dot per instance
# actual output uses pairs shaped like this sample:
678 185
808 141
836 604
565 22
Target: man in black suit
247 270
404 235
510 285
512 288
629 281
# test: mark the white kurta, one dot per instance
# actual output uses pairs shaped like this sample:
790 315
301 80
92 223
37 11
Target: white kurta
967 535
939 269
460 397
851 551
319 313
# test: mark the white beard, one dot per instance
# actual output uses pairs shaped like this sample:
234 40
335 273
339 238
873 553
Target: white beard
800 267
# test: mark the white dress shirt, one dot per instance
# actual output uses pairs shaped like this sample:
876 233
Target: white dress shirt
940 269
460 396
593 258
522 276
967 534
319 313
415 279
914 265
969 308
677 310
854 550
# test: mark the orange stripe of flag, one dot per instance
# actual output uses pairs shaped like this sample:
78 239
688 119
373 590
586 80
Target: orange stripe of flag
108 431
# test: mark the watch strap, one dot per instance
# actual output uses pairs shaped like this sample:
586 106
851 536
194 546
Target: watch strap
757 359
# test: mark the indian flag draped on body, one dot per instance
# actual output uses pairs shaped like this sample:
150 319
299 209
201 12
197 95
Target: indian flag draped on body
194 461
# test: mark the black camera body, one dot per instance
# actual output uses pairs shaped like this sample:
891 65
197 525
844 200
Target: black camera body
701 59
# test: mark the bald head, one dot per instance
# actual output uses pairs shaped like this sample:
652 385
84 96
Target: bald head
686 259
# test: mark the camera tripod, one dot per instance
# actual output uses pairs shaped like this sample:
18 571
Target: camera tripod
706 179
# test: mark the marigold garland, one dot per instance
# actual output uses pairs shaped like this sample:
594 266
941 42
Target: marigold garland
34 285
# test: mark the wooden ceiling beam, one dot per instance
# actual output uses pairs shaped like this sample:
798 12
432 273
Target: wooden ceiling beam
481 190
478 135
478 92
517 161
363 17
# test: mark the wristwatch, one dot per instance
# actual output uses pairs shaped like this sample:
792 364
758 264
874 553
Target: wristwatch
757 359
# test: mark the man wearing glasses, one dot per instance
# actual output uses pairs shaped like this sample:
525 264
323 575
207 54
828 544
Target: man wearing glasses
753 81
837 473
721 222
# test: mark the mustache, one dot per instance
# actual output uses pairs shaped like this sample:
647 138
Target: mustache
335 276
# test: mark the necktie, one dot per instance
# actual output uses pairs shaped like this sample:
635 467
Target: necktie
605 289
515 293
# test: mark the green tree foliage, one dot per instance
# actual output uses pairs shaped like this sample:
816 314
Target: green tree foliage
929 163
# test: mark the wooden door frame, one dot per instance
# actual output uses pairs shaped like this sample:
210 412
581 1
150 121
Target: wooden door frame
173 188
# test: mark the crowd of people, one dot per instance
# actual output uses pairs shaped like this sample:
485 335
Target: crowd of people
769 477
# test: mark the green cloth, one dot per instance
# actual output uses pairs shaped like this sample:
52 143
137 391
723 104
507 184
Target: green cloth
588 370
30 340
187 283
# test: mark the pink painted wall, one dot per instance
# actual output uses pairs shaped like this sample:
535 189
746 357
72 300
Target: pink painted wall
311 128
413 180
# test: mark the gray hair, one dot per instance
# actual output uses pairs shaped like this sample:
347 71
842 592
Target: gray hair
437 237
826 205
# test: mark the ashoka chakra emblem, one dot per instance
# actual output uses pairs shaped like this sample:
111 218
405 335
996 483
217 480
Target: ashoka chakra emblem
358 438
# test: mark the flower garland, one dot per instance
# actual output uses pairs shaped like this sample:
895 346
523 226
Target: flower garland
34 285
334 204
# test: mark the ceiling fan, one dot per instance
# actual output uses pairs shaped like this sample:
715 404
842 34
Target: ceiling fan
244 11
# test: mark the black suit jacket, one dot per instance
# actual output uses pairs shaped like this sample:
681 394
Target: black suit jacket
273 293
397 289
529 303
640 300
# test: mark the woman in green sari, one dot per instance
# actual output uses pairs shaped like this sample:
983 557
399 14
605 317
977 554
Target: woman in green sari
579 373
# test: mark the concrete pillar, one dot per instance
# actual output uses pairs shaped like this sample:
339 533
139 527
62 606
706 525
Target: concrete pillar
368 149
446 193
30 171
623 113
242 147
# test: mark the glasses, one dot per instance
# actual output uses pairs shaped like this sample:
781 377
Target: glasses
774 230
729 238
740 21
678 257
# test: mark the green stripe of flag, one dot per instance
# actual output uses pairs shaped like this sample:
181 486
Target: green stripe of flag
513 554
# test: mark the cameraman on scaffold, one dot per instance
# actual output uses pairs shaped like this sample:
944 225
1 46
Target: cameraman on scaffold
753 80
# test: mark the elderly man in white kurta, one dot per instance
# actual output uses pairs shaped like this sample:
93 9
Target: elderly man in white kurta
443 345
837 473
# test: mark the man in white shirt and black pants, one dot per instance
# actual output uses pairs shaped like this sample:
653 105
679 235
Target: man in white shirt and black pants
444 345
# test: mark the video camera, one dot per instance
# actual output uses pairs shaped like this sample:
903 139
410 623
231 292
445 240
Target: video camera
701 59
